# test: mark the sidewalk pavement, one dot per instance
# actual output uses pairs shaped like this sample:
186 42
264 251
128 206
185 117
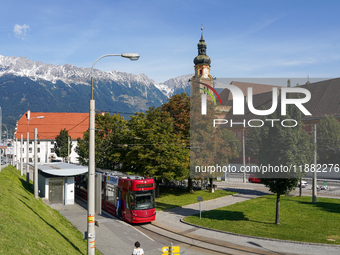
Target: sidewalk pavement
117 237
112 236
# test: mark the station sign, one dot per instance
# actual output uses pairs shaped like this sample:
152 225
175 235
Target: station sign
112 179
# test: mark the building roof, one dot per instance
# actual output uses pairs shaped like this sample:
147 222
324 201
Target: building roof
226 95
324 101
61 169
49 127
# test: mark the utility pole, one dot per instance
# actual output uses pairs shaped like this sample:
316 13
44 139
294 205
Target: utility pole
36 195
244 158
27 157
21 148
68 148
315 176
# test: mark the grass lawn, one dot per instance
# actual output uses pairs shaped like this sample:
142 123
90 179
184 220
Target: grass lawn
28 226
300 219
171 198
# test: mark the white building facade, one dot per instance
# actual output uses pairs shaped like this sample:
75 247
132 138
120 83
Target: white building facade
48 127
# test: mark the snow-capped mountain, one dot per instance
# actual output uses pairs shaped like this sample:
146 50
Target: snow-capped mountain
25 84
23 67
176 85
68 74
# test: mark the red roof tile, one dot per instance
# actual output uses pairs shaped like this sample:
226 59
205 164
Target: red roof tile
49 127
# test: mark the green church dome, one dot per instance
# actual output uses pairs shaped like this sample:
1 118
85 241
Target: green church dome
202 57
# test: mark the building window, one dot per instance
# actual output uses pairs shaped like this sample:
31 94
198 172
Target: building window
30 142
30 150
38 160
52 150
30 160
52 142
38 150
38 142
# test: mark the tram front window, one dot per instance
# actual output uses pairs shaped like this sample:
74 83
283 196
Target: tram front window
142 200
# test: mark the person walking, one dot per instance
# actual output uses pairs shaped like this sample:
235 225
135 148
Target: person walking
118 208
137 250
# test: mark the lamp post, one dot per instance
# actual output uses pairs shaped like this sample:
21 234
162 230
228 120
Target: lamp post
28 140
91 172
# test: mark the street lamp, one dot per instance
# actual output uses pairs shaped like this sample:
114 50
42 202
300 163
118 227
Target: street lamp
91 173
28 140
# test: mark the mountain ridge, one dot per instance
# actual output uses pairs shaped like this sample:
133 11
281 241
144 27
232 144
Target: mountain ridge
21 66
25 84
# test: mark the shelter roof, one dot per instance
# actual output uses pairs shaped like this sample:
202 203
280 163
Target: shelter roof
61 169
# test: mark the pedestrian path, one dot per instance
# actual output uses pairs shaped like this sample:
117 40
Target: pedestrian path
113 237
172 220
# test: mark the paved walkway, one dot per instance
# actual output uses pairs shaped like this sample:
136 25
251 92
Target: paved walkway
117 237
171 220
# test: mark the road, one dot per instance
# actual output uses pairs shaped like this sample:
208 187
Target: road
117 237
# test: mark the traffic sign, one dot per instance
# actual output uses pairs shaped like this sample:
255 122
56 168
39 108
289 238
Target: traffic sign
199 198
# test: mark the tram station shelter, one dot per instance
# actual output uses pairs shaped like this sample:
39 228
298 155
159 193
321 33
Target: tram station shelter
56 181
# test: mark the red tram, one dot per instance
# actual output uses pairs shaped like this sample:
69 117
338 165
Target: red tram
128 197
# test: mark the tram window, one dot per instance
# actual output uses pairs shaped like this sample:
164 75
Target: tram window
129 200
142 200
111 194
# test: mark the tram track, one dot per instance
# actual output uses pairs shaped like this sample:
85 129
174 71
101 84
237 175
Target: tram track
206 244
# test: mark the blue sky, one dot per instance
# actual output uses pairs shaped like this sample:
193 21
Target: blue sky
246 38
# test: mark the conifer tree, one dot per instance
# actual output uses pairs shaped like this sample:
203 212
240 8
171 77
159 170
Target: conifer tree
61 145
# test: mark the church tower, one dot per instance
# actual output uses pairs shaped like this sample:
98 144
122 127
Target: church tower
202 68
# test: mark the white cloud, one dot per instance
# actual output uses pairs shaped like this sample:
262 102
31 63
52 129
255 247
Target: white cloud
21 31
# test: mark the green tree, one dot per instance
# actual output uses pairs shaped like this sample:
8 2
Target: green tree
209 145
178 106
288 83
252 142
159 152
82 149
328 140
110 136
62 142
286 146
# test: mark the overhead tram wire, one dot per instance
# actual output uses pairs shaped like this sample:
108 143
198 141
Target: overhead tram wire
109 111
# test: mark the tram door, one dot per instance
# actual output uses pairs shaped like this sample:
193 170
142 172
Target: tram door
119 194
56 191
